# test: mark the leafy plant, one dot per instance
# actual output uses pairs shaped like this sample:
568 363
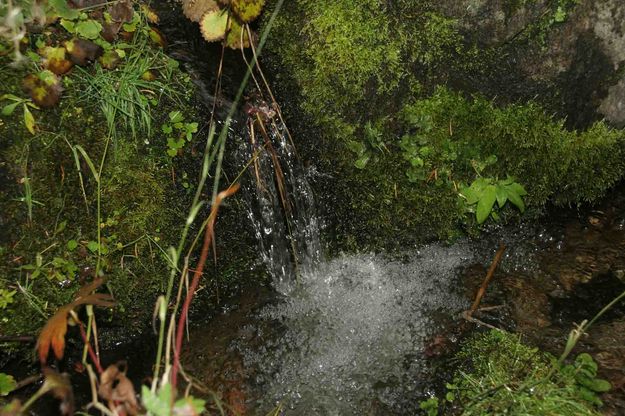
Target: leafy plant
481 195
8 109
177 132
160 403
6 297
7 384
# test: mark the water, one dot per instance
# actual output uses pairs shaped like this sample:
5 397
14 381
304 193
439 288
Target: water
353 332
281 203
349 332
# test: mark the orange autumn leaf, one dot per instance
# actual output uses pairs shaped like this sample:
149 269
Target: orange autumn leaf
53 333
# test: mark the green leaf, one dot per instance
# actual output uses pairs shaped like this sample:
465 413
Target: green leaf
63 10
517 188
502 196
89 29
7 384
8 109
29 120
72 244
362 161
516 200
599 385
68 25
471 195
356 147
189 406
172 152
166 128
176 116
158 404
485 204
93 246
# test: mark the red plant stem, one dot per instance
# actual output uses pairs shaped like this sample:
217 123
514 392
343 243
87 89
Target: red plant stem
92 354
208 239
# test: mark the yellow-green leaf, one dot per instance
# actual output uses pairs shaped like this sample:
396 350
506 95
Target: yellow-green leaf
29 120
247 10
213 25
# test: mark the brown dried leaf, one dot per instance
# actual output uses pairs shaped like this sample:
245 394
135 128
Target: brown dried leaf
121 12
54 59
195 9
53 333
83 52
44 88
118 390
150 14
61 389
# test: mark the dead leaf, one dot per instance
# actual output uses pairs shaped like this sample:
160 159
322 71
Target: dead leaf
53 333
60 387
44 88
214 25
118 390
83 52
195 9
121 12
150 14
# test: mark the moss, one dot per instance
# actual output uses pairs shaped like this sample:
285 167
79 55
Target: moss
141 208
553 163
498 374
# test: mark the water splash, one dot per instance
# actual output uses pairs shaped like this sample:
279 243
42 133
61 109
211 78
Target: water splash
353 331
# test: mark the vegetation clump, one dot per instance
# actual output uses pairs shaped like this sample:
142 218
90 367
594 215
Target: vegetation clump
89 189
498 374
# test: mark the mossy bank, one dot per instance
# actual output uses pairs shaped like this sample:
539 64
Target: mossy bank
405 104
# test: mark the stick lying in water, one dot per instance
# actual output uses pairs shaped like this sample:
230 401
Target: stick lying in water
487 279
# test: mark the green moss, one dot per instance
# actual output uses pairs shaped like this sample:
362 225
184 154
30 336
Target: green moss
553 163
498 374
46 258
345 52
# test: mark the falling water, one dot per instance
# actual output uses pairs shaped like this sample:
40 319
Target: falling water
281 204
349 332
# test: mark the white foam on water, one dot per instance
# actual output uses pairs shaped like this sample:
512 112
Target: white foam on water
353 331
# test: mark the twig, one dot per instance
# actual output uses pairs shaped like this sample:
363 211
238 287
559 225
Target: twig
487 279
17 338
92 354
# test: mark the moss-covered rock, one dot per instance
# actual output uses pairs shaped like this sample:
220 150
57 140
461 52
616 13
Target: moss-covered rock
352 82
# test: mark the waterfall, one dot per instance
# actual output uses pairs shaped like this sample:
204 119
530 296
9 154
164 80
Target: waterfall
349 331
280 200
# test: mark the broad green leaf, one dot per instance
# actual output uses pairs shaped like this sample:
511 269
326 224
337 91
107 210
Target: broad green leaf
172 152
485 204
8 109
189 406
166 128
502 196
516 200
29 120
72 244
517 188
7 384
158 404
599 385
356 147
471 195
63 10
89 29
